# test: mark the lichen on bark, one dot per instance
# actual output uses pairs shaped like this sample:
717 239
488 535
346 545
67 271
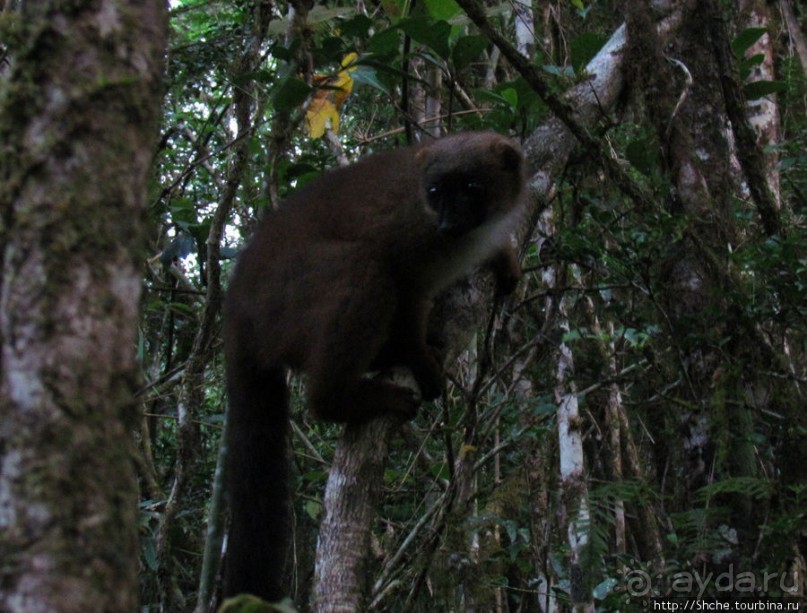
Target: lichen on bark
73 164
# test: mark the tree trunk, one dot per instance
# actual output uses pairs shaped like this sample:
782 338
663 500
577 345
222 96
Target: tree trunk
78 117
353 488
763 113
797 39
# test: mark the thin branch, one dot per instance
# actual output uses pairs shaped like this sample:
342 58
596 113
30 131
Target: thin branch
750 154
560 107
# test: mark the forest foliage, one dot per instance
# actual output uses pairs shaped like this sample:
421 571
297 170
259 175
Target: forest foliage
685 319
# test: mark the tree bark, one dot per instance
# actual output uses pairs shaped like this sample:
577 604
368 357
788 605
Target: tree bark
763 113
749 149
79 117
353 488
797 38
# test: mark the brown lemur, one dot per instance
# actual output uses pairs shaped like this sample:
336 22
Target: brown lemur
337 283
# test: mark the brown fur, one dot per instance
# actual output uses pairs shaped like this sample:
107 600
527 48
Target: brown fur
340 282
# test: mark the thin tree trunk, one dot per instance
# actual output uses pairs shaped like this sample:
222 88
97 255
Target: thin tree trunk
573 487
763 113
354 484
525 27
796 36
79 119
749 149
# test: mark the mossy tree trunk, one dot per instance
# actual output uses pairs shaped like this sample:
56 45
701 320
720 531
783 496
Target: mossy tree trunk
78 119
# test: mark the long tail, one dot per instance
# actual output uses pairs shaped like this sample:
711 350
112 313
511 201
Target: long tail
257 482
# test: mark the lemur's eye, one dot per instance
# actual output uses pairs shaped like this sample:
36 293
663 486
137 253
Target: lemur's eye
433 196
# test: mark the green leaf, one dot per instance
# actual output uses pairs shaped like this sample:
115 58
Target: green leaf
745 40
290 93
439 470
367 75
315 476
491 96
584 48
760 89
466 50
755 487
313 509
183 212
528 100
442 9
510 96
747 64
332 49
433 34
150 553
642 153
358 27
572 335
386 42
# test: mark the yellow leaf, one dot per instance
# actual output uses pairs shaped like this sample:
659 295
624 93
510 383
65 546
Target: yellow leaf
324 107
320 113
349 60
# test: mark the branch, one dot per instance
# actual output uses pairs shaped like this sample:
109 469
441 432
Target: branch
559 106
748 150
